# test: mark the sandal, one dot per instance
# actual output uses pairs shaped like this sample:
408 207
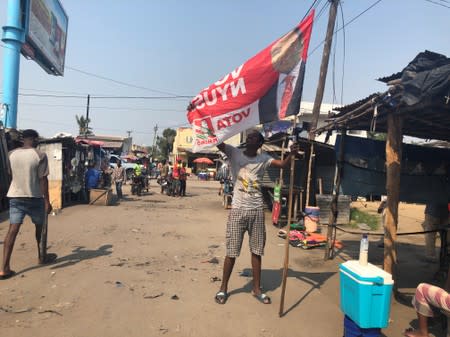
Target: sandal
8 275
262 297
221 297
410 332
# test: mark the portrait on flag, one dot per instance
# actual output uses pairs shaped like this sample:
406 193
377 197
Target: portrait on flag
265 88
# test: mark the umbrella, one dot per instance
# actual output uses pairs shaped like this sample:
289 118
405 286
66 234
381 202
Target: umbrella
203 160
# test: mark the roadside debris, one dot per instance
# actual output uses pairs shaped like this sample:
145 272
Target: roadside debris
153 296
214 260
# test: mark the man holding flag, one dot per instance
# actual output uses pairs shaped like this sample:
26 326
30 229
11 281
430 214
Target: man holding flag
266 88
247 209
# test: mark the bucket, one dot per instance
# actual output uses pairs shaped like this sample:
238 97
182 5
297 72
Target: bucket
351 329
311 218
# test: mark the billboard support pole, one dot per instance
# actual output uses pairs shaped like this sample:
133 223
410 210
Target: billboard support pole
13 38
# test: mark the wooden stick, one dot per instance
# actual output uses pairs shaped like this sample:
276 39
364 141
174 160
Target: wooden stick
393 166
286 248
329 249
43 242
308 181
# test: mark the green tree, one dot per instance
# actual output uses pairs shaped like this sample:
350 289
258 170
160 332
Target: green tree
83 125
165 143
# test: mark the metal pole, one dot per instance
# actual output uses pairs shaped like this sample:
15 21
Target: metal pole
13 38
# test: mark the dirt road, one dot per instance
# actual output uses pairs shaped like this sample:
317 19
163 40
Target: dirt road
145 267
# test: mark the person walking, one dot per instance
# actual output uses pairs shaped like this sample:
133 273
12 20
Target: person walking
92 179
436 216
183 177
118 177
247 209
176 175
164 175
28 195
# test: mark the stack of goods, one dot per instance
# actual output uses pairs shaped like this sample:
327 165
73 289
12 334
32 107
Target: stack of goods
306 240
311 218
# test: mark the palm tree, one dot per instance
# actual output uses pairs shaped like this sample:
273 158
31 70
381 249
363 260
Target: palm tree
83 125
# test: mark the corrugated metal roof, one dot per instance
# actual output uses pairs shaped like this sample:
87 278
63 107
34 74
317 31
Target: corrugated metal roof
422 98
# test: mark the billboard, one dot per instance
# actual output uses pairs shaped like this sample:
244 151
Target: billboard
46 36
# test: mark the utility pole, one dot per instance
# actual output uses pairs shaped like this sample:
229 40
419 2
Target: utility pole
129 133
155 129
315 119
86 130
323 68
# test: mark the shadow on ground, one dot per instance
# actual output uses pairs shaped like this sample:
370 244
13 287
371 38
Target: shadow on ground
273 278
78 254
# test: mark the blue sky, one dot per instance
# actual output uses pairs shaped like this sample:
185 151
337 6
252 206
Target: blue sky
181 47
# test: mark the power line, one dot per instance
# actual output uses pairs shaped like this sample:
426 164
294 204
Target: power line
141 97
322 10
338 30
55 91
309 10
439 4
113 80
106 97
102 107
120 82
82 94
72 125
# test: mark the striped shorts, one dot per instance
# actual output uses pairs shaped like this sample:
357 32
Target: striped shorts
241 221
429 297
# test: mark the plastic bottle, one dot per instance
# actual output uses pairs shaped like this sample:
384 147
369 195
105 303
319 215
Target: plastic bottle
277 193
364 250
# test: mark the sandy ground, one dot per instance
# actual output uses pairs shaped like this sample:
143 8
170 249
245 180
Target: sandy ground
141 268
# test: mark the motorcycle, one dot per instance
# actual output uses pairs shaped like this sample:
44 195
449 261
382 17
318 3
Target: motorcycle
137 184
166 185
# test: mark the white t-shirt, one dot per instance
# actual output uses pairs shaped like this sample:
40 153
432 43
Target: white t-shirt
27 166
247 172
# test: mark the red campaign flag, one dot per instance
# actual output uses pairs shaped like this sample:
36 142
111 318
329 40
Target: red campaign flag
266 88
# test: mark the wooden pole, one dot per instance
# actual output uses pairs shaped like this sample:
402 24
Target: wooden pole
329 251
86 131
323 68
43 241
393 166
288 228
286 244
308 181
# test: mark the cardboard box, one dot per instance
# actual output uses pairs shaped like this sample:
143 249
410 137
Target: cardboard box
100 197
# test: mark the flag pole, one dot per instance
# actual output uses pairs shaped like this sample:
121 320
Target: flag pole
315 118
286 244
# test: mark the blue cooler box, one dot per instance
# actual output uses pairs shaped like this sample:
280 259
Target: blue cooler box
365 294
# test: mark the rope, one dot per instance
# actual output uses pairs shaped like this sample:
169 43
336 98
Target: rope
398 234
